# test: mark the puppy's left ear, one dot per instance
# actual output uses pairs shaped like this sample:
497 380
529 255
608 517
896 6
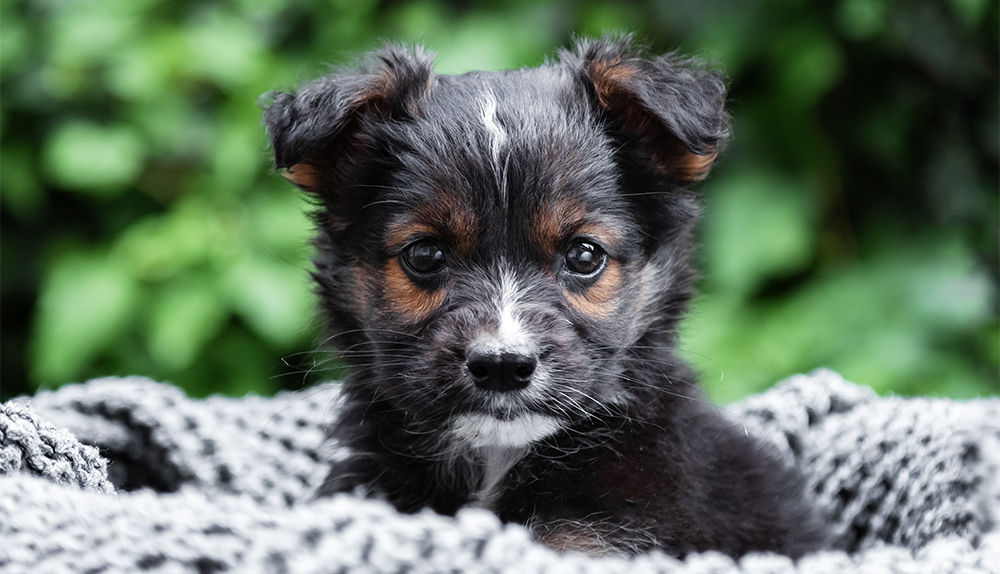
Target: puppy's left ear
674 105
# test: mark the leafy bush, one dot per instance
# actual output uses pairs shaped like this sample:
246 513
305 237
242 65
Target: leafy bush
852 224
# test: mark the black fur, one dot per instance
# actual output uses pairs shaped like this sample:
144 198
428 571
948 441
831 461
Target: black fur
596 150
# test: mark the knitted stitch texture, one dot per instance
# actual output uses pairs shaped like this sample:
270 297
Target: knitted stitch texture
224 485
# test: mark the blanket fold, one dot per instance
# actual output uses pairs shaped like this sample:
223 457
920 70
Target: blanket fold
130 475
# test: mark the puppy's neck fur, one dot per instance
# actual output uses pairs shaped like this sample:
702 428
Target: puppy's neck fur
493 463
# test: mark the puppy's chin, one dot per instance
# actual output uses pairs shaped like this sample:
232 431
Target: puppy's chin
485 430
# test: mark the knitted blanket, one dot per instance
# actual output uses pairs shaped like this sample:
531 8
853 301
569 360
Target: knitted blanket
130 475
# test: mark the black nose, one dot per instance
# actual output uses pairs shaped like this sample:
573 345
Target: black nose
501 372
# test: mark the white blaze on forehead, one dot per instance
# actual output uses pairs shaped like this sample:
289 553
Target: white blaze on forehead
498 137
480 430
488 106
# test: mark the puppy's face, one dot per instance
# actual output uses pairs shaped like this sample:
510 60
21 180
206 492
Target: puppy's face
497 249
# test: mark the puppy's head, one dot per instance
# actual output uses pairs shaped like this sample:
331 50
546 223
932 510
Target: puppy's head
497 252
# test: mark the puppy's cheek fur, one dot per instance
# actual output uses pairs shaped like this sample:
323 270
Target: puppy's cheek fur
363 290
404 297
599 301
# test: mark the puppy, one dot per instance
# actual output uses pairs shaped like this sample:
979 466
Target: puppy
503 259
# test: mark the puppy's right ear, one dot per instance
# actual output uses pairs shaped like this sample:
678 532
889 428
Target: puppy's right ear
314 132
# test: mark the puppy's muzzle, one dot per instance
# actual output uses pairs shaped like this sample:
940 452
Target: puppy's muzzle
493 370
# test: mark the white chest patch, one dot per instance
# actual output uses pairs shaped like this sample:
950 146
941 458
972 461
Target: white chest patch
481 430
497 462
497 445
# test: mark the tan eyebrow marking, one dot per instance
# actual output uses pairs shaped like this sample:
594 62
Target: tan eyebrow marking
400 233
556 223
553 223
445 217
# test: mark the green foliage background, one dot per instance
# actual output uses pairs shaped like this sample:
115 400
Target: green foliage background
853 223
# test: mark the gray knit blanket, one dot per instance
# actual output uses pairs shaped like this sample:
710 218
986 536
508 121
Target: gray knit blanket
130 475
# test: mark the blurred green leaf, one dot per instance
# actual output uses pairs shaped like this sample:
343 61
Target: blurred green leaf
238 157
84 305
883 323
862 19
598 18
971 12
185 316
161 246
22 194
274 298
144 71
88 31
223 48
809 63
94 159
757 225
13 40
281 224
176 128
841 228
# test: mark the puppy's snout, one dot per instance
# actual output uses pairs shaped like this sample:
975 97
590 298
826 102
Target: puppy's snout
501 371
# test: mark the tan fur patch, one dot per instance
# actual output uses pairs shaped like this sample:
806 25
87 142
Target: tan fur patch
608 78
456 223
688 166
406 298
445 218
401 232
554 223
304 175
599 300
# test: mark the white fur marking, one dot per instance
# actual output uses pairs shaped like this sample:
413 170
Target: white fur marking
498 137
511 333
497 462
481 430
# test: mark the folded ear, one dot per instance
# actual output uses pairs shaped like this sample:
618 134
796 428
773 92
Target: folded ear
674 105
313 131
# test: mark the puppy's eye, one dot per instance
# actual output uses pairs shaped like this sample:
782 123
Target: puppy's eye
423 257
584 258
